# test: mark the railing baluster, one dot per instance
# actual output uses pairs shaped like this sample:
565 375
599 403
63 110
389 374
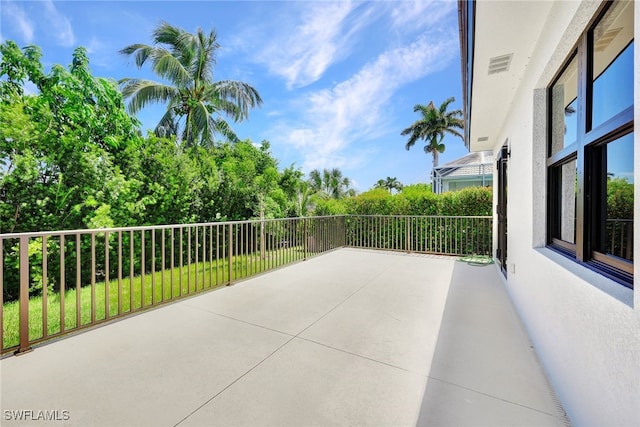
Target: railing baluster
62 284
107 281
131 268
197 243
181 255
218 252
119 272
1 294
210 255
153 266
78 281
197 258
188 259
173 261
24 296
164 265
93 278
45 325
230 254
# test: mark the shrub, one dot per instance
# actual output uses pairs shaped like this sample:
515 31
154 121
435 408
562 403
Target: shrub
329 207
373 202
415 199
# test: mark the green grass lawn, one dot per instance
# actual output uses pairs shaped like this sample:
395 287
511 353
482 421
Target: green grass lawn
133 294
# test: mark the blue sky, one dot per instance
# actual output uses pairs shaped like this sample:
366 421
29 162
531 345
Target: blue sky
338 79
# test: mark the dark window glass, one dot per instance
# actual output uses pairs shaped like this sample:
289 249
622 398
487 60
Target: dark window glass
591 173
616 227
612 70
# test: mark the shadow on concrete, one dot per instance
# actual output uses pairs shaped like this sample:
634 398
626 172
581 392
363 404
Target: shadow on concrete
484 370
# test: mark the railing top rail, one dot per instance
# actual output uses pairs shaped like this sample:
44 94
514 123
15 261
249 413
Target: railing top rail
424 216
90 231
153 227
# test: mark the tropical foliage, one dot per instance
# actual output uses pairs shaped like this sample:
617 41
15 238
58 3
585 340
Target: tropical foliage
71 158
61 150
416 199
619 198
389 184
196 103
330 183
432 126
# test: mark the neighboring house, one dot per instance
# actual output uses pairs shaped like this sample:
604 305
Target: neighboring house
473 170
549 88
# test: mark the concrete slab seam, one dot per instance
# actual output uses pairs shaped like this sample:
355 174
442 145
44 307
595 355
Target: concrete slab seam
490 396
240 320
363 357
233 382
277 349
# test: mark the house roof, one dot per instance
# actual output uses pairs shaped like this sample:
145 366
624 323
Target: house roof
469 165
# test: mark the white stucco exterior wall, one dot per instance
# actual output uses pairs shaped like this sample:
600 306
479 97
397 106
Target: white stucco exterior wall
585 327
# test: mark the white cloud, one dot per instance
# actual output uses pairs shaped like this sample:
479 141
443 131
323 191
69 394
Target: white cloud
100 53
301 55
17 16
353 110
60 24
420 14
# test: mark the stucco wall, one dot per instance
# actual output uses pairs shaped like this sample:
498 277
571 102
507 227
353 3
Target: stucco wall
585 327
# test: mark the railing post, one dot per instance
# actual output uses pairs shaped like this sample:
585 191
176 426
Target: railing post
24 297
263 249
407 245
230 253
305 238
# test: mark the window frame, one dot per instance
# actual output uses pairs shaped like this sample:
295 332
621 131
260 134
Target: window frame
587 151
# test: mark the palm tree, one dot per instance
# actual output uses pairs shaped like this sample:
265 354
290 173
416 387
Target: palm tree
433 125
330 183
389 184
195 102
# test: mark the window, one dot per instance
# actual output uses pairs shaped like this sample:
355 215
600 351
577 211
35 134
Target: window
590 168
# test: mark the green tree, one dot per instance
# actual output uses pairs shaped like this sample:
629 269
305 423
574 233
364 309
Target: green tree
619 198
330 183
60 147
249 182
432 126
195 102
389 184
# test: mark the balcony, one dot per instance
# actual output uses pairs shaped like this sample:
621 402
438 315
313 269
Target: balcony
351 336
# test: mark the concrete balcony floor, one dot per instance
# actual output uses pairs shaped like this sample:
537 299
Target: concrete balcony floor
348 338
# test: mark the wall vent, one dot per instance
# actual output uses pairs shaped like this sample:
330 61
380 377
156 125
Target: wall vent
483 139
499 64
604 40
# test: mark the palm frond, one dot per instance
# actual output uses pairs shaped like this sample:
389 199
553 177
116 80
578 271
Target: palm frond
205 48
168 124
141 53
223 128
166 33
143 92
169 67
243 95
202 126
